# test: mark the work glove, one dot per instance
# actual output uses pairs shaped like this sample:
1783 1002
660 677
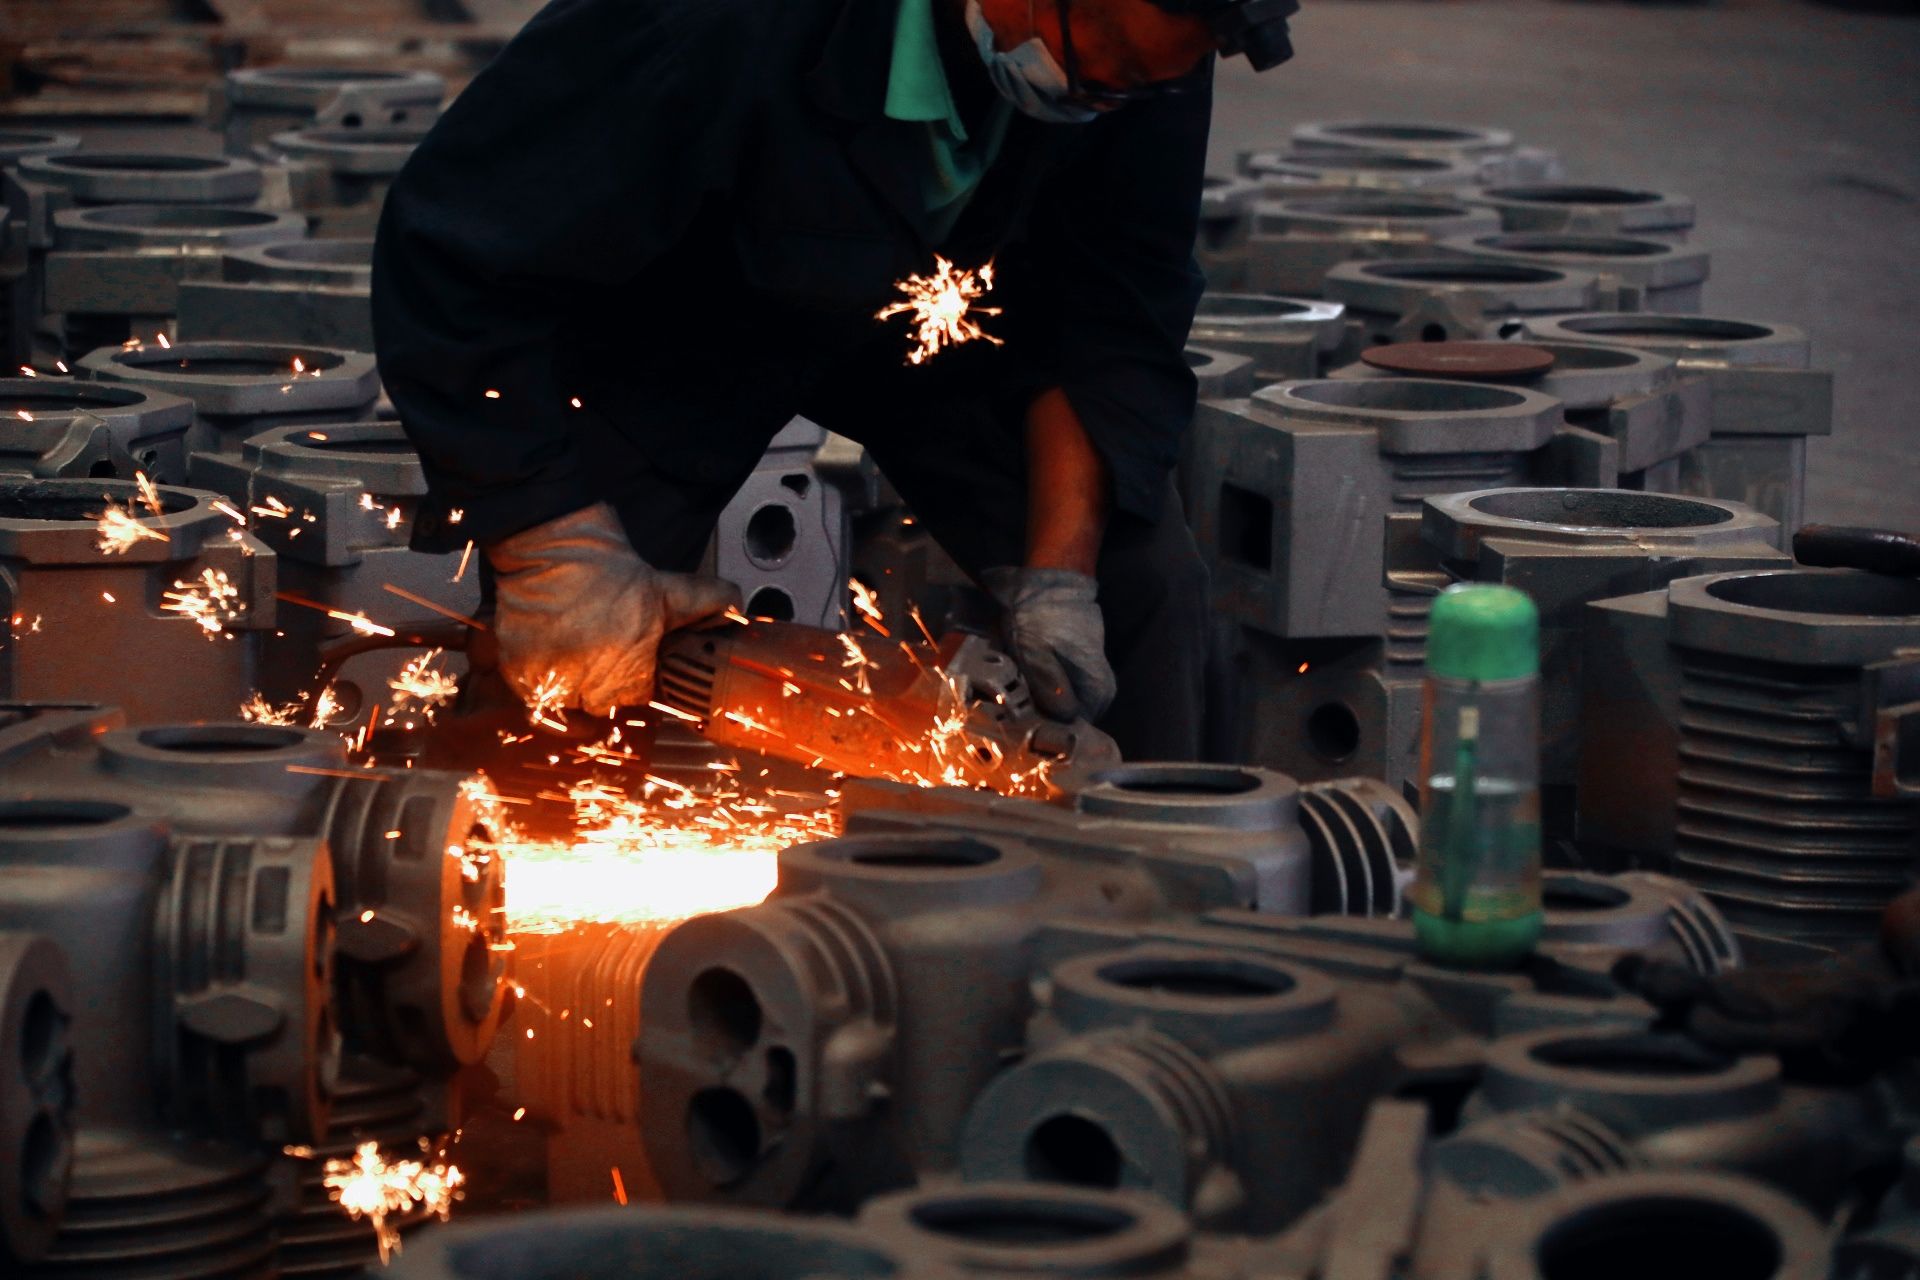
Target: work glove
577 609
1839 1020
1058 637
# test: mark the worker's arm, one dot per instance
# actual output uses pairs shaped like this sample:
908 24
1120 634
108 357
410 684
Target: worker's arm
1111 241
569 164
1067 487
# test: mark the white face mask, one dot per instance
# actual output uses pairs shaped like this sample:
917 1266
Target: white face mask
1026 75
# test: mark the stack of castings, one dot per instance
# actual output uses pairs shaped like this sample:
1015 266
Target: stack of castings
274 957
110 236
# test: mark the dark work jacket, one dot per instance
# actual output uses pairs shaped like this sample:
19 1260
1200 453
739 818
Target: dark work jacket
684 213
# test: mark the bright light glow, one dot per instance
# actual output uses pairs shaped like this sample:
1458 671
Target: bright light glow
118 530
943 306
667 853
211 601
372 1187
420 681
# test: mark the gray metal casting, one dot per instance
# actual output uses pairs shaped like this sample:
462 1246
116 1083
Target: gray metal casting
202 965
1220 834
784 539
1655 1223
1297 240
1590 209
36 1094
1279 172
1765 399
420 977
1568 547
340 176
1662 1101
1493 152
1566 1203
1158 1068
1474 142
1294 486
330 263
1286 337
656 1242
1011 1228
1226 219
38 186
1734 727
145 177
826 1044
213 1201
348 491
1222 375
303 291
1640 399
17 144
263 101
1301 500
240 389
1359 834
86 626
59 428
1638 911
1652 274
1447 299
372 1102
1363 834
129 261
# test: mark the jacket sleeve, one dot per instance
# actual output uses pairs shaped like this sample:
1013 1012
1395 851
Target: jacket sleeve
574 159
1114 239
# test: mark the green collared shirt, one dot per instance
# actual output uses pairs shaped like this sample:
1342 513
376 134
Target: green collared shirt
917 91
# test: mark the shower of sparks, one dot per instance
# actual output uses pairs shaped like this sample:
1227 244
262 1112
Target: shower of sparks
211 601
943 306
662 853
119 530
372 1187
546 701
421 682
149 493
867 604
307 711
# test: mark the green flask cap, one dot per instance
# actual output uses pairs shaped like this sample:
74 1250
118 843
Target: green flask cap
1483 632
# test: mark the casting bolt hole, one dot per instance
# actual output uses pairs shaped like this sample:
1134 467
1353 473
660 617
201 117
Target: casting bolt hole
1565 894
723 1134
1074 1150
1659 1238
723 1014
1198 979
1333 731
1033 1222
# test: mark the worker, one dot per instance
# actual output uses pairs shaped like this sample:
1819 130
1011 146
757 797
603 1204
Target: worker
654 231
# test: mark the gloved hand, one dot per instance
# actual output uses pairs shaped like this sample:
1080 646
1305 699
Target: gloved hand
1836 1021
574 602
1058 637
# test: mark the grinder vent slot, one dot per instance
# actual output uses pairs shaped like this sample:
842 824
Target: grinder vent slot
684 681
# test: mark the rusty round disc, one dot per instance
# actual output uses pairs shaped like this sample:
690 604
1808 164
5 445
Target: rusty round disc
1475 360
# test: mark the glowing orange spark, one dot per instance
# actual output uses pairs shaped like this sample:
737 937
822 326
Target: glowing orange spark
942 306
118 529
420 682
210 601
373 1187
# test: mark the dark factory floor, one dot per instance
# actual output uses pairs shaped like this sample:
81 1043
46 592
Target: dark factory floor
1796 128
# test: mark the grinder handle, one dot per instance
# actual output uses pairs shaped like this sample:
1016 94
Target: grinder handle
1835 546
